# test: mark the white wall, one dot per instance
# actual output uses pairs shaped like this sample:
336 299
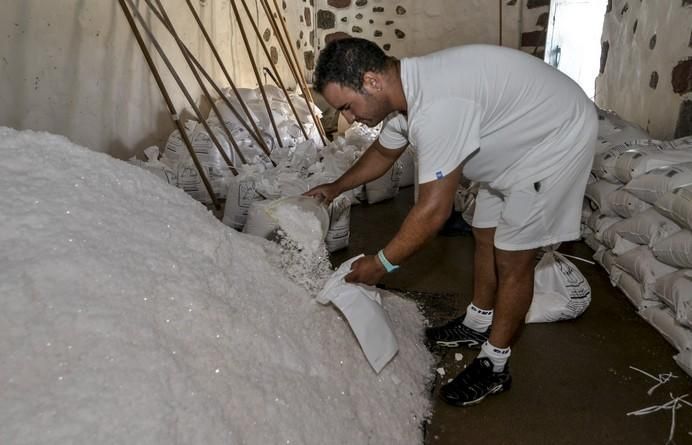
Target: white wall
624 86
73 67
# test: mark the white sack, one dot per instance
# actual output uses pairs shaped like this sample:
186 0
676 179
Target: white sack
684 360
647 227
675 250
599 223
604 161
663 320
586 211
625 204
634 291
599 195
625 132
657 182
560 291
634 163
156 167
591 241
408 167
606 259
362 307
677 205
676 291
644 267
339 232
241 194
384 187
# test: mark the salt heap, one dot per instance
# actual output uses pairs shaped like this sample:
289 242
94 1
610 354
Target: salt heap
131 315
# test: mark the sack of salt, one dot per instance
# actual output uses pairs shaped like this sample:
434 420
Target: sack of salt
362 307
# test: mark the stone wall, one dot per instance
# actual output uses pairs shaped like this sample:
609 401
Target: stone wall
73 67
646 65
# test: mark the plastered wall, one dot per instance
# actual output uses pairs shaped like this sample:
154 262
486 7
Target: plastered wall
646 65
72 66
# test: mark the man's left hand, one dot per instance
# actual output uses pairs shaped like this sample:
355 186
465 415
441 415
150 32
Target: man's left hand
366 270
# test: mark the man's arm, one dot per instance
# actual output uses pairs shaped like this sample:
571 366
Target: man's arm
435 201
375 162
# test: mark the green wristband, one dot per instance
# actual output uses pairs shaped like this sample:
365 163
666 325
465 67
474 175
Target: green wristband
389 267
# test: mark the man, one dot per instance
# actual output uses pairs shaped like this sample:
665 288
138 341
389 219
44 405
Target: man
504 118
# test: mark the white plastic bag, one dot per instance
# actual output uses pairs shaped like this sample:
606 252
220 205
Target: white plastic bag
675 290
625 204
644 267
560 291
657 182
599 194
684 360
675 250
384 187
241 194
663 320
677 205
362 307
408 167
646 228
636 162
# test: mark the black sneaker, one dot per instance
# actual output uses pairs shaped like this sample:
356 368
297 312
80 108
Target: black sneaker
476 382
455 334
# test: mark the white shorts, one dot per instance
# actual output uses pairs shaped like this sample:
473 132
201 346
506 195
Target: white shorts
537 214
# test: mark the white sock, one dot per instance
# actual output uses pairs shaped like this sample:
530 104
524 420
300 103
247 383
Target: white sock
498 356
478 319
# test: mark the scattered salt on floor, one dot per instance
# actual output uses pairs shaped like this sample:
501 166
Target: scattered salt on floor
458 357
98 341
441 371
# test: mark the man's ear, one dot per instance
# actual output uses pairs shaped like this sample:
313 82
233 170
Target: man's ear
372 82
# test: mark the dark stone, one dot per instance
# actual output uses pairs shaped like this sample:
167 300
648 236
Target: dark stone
274 53
400 10
312 36
298 44
653 81
399 34
389 22
371 21
357 29
537 3
308 16
300 35
543 20
609 7
634 27
361 2
283 5
344 19
682 77
652 42
386 46
339 3
335 36
309 60
301 19
625 9
377 33
533 38
359 16
378 9
325 19
684 125
267 35
605 46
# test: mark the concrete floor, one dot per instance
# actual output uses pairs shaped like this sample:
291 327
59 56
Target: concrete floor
572 381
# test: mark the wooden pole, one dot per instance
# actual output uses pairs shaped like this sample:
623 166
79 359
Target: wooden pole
169 103
500 15
306 90
169 25
256 71
180 83
294 70
273 66
260 140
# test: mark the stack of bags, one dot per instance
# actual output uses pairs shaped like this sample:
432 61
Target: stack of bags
637 217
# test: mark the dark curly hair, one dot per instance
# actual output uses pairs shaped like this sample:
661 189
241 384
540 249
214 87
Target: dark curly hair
344 62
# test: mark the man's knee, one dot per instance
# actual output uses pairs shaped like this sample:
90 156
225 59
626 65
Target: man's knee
484 237
515 264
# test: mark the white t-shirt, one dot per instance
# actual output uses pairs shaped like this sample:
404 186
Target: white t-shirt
510 117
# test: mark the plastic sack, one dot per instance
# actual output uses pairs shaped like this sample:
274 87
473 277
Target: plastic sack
606 258
625 132
675 250
262 217
675 290
362 307
339 232
599 223
634 291
634 163
384 187
657 182
625 204
560 291
599 195
156 167
604 162
408 167
663 320
241 194
646 228
684 360
677 205
644 267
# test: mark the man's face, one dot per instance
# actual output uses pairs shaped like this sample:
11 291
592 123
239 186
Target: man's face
368 106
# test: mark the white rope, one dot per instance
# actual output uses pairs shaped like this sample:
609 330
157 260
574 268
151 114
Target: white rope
674 404
661 379
577 258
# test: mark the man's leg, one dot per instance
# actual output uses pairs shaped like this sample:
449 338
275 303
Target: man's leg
484 271
515 272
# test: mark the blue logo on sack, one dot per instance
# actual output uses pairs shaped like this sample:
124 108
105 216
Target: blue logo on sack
439 174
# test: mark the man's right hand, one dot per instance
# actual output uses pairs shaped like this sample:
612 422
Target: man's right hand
326 193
